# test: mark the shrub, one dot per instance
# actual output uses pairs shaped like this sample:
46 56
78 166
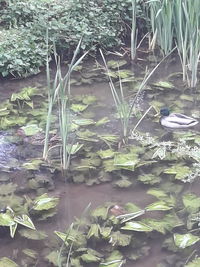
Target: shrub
99 22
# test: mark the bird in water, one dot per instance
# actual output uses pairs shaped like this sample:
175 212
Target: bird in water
176 120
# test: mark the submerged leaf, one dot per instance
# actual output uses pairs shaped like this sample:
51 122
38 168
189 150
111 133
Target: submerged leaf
125 161
106 154
159 205
149 179
194 263
191 202
33 234
180 171
31 129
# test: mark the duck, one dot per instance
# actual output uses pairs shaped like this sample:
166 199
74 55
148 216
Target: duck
176 120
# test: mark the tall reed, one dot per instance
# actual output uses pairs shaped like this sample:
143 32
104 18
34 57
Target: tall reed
60 90
186 23
124 109
134 30
161 20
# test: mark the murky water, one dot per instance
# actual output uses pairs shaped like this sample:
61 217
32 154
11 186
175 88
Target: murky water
74 198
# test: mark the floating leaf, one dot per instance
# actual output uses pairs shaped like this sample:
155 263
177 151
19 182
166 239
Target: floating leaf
31 129
102 121
159 205
89 99
105 232
125 161
106 154
84 122
88 258
78 107
114 260
163 84
6 219
156 192
137 226
54 257
24 220
100 212
180 171
149 179
191 202
25 94
33 164
44 202
6 262
119 239
93 231
33 234
186 240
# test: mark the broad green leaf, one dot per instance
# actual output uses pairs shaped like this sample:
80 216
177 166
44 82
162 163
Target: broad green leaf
163 84
106 154
123 183
31 129
102 121
130 216
186 240
78 107
6 262
105 232
115 64
44 202
149 179
125 161
158 205
156 192
88 258
114 260
137 226
24 220
119 239
6 219
89 99
93 231
100 212
180 171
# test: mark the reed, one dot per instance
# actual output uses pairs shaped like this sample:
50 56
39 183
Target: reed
124 109
161 20
60 92
134 30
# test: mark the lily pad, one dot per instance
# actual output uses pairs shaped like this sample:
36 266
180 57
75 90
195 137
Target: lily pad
102 121
163 84
78 107
123 183
179 170
186 240
84 122
125 161
149 179
191 203
89 99
119 239
106 154
45 203
30 130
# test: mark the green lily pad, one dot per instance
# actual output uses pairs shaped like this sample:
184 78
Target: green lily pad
123 183
180 171
45 203
137 226
6 262
149 179
125 161
89 99
106 154
100 212
30 130
78 107
186 240
163 84
160 194
119 239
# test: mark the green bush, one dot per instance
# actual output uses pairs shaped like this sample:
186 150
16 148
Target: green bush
100 22
21 52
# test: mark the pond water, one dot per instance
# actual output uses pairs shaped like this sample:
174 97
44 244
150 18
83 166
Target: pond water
162 180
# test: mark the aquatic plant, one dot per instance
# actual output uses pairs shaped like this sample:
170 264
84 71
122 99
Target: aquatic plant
60 91
161 19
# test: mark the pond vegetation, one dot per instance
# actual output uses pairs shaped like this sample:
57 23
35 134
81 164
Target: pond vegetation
89 177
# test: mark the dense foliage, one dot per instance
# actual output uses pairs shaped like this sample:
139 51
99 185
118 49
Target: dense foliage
99 22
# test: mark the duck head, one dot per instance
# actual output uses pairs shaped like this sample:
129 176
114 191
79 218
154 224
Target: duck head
164 111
